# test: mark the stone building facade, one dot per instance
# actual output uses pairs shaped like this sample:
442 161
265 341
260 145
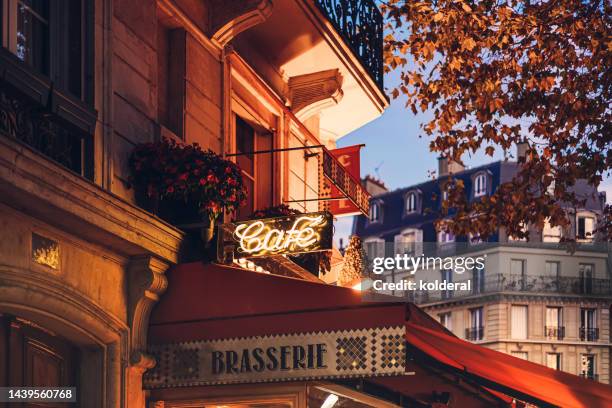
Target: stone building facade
82 83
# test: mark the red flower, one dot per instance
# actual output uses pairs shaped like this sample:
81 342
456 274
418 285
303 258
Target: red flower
170 189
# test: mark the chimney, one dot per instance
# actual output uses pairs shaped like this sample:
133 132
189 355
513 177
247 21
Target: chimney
521 149
448 166
373 185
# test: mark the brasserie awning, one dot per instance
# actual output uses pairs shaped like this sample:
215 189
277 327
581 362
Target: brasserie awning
210 302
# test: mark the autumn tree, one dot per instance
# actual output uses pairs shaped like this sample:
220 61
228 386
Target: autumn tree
497 73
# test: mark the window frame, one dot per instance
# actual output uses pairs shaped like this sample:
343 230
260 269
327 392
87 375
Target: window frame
481 179
411 198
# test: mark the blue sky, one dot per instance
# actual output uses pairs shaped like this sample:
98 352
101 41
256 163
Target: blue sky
403 158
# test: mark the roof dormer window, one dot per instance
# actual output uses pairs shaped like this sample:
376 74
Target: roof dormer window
375 211
411 203
480 185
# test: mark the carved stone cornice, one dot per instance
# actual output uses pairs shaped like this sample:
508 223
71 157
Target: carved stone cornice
146 282
231 17
311 93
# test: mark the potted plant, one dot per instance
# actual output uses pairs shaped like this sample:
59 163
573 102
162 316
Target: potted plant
182 179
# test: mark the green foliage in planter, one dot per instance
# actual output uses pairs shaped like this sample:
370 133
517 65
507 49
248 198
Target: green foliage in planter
166 170
314 262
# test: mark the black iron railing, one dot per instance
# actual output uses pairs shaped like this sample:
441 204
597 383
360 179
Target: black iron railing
589 333
520 283
554 332
474 333
590 376
361 25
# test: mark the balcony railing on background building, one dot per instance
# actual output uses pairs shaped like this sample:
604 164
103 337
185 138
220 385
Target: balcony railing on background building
521 283
554 332
474 333
589 333
361 24
590 376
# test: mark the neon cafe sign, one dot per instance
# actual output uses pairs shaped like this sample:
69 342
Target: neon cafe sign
292 234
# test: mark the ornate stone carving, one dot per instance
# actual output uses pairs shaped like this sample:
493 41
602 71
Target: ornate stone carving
146 282
311 93
231 17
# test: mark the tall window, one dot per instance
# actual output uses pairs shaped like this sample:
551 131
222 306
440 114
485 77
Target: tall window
553 360
588 325
476 328
587 366
518 273
411 203
52 37
478 280
446 275
409 242
519 322
445 237
554 328
550 233
523 355
585 228
256 169
480 185
585 273
375 212
171 71
446 320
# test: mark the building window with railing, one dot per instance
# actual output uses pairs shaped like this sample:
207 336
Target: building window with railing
554 328
446 320
518 318
410 242
588 325
446 276
475 331
478 280
585 274
553 360
585 227
518 272
587 366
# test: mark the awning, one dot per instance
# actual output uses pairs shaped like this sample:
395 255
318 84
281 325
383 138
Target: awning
211 302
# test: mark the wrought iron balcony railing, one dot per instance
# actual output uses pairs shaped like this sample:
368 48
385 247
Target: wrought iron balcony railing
520 283
589 333
474 333
590 376
554 332
361 25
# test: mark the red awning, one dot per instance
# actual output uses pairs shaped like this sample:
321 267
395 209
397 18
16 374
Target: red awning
206 302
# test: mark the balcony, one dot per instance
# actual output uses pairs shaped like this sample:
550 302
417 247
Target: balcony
554 332
521 283
361 25
474 333
589 333
590 376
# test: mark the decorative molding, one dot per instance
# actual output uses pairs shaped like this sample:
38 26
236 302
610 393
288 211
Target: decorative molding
311 93
231 17
146 282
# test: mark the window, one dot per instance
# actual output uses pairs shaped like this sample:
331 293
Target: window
171 72
374 247
409 241
53 38
446 320
550 233
475 239
588 325
523 355
554 328
445 237
585 274
256 169
375 212
552 275
553 360
411 203
518 273
587 366
585 227
446 275
518 317
478 280
524 230
480 185
476 329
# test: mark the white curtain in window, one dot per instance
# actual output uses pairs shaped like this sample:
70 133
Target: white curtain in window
519 322
553 316
553 360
